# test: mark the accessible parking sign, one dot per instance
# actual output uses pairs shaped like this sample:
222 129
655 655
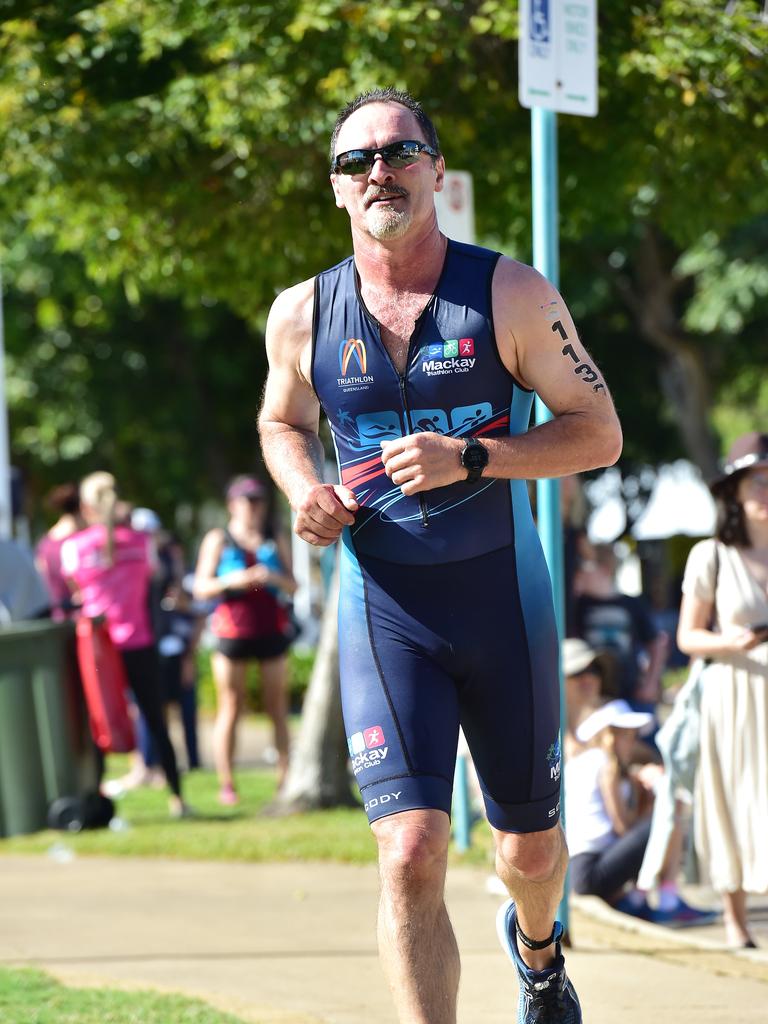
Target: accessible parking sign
558 55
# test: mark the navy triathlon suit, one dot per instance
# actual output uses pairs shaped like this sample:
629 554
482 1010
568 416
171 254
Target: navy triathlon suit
446 615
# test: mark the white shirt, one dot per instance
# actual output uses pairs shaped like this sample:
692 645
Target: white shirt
587 824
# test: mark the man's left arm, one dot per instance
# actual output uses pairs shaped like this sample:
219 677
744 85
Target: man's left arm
539 346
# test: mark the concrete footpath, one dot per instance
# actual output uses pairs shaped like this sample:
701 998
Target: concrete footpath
296 944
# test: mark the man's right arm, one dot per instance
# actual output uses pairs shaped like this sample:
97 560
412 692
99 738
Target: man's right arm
289 421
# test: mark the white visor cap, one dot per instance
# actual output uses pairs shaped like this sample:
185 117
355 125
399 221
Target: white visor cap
616 713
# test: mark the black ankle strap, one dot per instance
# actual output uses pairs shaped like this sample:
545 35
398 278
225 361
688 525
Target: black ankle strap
531 943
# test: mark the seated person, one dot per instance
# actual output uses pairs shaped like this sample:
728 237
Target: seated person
608 802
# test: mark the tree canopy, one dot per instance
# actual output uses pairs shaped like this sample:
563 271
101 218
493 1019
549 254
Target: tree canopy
163 173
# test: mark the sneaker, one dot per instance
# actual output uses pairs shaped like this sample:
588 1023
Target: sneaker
228 796
635 909
683 916
546 997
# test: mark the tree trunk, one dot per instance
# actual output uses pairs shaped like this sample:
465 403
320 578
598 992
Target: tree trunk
685 376
685 384
318 775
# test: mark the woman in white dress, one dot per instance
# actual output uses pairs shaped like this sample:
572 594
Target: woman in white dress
724 619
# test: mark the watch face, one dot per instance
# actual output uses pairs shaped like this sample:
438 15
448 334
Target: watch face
474 456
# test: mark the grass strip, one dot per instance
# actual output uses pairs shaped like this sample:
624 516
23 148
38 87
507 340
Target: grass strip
243 833
33 997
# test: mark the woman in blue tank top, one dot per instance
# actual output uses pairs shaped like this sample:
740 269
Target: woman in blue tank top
250 574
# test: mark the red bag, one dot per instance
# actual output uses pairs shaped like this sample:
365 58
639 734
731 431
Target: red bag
104 683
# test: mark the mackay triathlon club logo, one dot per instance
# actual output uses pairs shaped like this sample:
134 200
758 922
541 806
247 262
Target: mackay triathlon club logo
367 748
454 356
353 365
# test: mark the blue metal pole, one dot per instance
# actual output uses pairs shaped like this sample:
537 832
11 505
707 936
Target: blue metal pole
462 815
546 259
546 252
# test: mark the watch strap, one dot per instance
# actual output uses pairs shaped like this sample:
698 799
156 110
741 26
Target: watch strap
474 472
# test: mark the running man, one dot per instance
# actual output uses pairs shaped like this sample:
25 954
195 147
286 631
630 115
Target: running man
446 613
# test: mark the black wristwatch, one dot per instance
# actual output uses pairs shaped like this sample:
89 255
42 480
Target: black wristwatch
474 458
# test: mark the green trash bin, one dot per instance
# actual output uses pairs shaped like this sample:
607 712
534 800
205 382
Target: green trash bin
45 748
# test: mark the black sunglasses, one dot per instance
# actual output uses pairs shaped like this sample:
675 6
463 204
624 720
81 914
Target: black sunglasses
396 154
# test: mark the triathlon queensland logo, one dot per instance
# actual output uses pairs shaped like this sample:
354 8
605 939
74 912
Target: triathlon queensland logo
456 355
353 366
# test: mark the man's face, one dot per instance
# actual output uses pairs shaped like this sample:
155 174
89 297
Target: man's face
385 201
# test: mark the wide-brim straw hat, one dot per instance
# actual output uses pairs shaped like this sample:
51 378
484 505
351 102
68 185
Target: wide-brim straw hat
746 452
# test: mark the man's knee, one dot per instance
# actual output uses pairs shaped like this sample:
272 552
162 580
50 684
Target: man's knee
413 849
536 856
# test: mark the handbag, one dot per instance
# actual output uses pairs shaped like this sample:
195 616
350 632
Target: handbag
104 683
678 739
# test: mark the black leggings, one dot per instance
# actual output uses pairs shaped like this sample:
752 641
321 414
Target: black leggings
142 669
603 874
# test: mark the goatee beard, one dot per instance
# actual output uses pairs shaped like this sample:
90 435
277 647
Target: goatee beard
385 225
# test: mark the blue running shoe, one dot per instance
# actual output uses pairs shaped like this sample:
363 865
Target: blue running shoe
682 915
546 997
627 906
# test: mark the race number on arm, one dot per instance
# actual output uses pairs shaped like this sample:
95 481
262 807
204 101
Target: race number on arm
539 346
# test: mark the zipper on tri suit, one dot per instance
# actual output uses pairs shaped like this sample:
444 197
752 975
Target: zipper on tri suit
401 377
404 398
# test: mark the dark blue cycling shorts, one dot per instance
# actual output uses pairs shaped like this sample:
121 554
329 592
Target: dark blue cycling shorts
425 649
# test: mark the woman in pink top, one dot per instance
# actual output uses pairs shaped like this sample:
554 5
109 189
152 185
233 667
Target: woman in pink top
111 566
65 501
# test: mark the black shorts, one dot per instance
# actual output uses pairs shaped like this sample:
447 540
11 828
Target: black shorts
257 648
